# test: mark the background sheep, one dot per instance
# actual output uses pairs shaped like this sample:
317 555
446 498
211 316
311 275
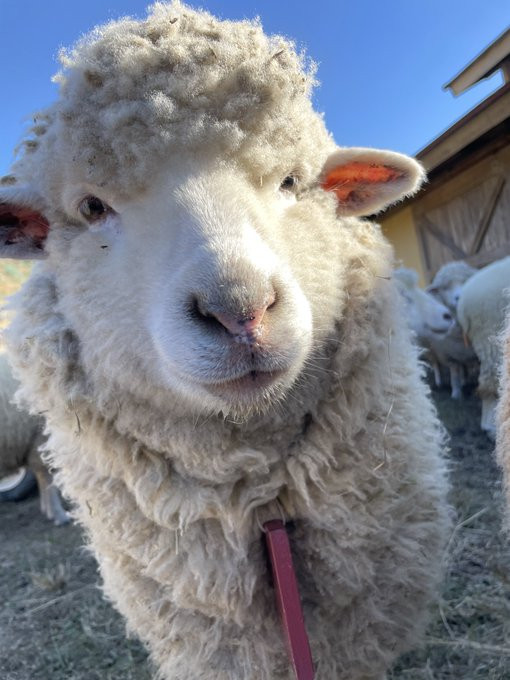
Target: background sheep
503 411
449 280
451 350
431 322
481 313
216 343
426 316
20 439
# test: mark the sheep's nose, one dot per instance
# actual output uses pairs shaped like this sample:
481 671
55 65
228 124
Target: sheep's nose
447 316
247 325
244 325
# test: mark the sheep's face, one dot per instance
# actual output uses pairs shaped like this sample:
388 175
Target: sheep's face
426 316
449 281
449 294
205 272
215 286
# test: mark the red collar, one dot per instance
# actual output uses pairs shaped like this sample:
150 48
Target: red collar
287 599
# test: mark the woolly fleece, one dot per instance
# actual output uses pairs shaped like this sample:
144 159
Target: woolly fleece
503 416
452 272
481 312
18 429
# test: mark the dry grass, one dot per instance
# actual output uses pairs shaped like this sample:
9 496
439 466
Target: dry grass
54 622
469 638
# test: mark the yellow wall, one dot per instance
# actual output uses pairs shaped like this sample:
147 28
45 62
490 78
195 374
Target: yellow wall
400 230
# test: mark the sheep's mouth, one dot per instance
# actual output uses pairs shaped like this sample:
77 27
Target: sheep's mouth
439 331
247 384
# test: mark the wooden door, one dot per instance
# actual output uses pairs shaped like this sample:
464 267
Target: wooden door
468 217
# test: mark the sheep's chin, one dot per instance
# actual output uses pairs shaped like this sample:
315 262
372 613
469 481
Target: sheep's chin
253 393
255 390
241 407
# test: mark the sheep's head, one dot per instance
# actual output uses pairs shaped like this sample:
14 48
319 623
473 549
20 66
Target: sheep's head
449 281
426 316
208 259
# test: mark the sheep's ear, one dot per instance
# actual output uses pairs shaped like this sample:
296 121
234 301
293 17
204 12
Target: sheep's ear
23 228
366 181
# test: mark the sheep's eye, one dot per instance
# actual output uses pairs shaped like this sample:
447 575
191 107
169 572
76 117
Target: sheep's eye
93 209
289 183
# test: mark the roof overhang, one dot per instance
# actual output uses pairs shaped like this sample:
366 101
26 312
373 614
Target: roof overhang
494 57
475 124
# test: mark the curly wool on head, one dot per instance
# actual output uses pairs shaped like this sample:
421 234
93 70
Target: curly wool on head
136 92
458 271
407 277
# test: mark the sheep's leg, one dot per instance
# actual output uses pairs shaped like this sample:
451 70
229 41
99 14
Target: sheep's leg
456 380
58 513
488 420
51 503
437 373
49 496
463 374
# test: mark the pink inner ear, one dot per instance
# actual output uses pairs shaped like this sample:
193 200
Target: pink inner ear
20 224
348 178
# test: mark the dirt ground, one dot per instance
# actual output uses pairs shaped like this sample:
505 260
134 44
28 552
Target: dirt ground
54 624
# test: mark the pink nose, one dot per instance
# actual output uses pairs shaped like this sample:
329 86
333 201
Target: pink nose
248 325
243 323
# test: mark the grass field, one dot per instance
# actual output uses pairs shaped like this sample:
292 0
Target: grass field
55 625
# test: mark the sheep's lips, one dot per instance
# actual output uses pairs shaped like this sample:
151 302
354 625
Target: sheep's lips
440 331
247 385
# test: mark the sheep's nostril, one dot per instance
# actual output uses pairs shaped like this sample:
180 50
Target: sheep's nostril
271 302
241 319
199 313
447 316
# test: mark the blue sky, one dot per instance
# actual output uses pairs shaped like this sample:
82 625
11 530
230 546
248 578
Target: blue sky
381 63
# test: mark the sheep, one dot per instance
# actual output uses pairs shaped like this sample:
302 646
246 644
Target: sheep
21 437
432 324
503 414
481 312
216 341
426 316
451 350
448 282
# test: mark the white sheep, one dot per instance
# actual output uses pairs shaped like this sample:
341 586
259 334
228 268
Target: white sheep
503 414
451 350
426 316
216 342
434 326
481 312
20 439
448 282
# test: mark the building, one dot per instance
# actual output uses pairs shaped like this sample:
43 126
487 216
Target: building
464 210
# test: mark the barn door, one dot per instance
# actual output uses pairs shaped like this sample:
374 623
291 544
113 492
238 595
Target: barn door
470 223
